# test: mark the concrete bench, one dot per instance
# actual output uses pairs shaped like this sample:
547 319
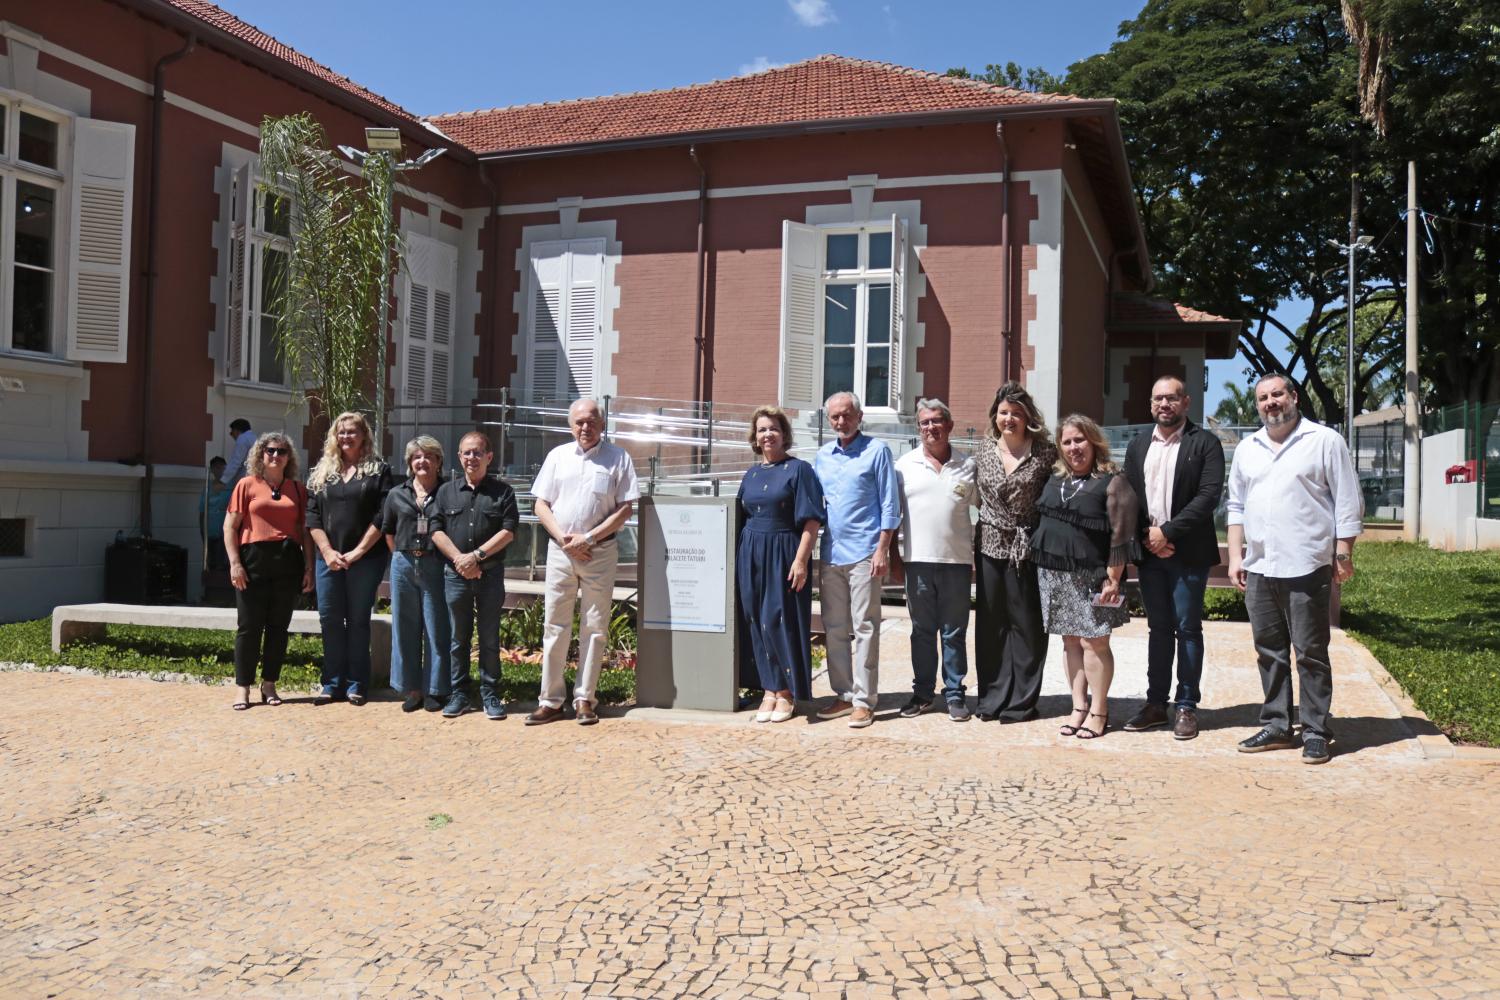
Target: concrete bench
71 622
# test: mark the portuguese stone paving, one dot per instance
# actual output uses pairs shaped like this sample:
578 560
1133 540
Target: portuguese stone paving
155 844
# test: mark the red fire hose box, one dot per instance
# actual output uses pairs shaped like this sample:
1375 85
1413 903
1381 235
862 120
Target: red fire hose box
1463 472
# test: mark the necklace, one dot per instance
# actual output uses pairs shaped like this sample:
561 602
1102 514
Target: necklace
1077 483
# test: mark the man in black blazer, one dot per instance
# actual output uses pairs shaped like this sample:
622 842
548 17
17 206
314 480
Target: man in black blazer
1177 471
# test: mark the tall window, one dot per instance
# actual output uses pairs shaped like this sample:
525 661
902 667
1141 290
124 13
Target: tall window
259 251
857 314
31 196
843 313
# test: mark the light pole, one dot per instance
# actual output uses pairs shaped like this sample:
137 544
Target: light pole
1356 244
382 145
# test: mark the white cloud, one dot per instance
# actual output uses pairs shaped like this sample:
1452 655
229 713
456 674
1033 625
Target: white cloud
813 13
758 65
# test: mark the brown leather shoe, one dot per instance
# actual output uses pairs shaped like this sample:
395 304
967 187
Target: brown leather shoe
544 715
1150 716
586 714
836 710
1186 726
860 718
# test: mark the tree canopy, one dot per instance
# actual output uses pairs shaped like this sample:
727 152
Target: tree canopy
1245 121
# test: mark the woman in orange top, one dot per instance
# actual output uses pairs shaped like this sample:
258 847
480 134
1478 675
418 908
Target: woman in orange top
270 561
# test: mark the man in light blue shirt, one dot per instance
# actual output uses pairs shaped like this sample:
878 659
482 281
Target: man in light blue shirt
1295 509
864 511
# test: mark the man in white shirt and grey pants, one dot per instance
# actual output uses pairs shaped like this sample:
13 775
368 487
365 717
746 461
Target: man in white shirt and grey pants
1295 510
584 494
937 557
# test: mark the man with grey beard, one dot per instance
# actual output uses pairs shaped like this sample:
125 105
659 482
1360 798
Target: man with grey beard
1294 512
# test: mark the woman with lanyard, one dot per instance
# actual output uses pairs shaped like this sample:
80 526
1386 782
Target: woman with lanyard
1087 535
270 562
417 603
346 498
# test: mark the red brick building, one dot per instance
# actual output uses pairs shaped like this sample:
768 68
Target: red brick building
836 223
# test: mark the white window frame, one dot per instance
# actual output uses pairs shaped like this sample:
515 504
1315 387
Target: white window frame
576 345
425 351
13 170
247 367
861 277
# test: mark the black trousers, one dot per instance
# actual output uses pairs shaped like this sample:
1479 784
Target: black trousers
1009 644
265 610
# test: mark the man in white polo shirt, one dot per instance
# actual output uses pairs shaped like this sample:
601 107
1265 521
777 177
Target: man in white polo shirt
584 494
937 550
1294 511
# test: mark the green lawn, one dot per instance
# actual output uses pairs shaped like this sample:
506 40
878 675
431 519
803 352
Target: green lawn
1433 619
209 655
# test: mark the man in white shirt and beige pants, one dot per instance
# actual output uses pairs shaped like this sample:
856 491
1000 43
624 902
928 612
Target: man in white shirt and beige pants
584 494
1295 510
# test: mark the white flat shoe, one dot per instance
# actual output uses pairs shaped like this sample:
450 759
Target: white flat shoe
763 716
781 716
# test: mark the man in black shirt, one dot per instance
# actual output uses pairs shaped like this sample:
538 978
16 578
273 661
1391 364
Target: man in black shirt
476 519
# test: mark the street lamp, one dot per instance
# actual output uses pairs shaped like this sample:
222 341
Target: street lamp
1362 243
382 145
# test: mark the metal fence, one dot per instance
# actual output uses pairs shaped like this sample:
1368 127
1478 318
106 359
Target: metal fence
1480 423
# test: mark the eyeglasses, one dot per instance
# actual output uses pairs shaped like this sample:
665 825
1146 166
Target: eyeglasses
1170 397
932 422
473 453
275 452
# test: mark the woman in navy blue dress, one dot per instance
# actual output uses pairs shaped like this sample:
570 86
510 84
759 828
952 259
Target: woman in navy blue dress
783 507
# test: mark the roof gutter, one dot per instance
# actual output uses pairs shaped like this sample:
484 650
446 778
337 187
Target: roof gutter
217 38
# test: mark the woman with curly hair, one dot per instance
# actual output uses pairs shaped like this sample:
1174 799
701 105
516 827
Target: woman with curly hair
1086 537
345 502
270 561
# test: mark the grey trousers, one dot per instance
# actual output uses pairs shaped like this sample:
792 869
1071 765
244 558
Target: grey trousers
1287 614
851 627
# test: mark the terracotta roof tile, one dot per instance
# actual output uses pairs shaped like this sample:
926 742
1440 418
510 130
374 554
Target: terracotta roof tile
221 19
827 88
1140 310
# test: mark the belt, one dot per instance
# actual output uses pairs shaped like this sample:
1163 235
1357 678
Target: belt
416 553
601 541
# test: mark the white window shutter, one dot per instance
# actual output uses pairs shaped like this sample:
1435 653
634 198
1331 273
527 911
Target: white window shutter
418 312
99 240
440 330
585 269
800 274
546 318
898 312
237 290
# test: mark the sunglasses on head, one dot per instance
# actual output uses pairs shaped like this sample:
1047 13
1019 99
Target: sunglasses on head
278 451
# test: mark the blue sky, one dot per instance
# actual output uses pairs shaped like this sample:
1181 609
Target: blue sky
461 55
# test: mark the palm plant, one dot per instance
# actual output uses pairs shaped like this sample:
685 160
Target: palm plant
330 295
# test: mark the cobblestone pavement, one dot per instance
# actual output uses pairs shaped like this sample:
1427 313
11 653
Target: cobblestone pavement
154 844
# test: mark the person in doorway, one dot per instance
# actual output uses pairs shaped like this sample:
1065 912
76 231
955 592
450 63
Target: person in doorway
584 494
1177 472
938 491
1295 510
476 519
864 510
213 504
242 440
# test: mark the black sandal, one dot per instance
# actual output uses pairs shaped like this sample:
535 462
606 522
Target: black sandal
1068 729
1093 734
241 706
272 699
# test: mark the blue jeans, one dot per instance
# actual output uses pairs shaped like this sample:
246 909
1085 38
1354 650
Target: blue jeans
418 604
1173 595
938 596
345 600
483 598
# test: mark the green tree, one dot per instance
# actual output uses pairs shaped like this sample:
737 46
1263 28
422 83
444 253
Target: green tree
1237 408
330 296
1012 75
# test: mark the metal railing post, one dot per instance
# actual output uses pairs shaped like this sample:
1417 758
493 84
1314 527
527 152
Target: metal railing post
708 454
605 415
531 557
500 444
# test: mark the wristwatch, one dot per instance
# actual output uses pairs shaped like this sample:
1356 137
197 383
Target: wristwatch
588 536
1341 557
480 553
